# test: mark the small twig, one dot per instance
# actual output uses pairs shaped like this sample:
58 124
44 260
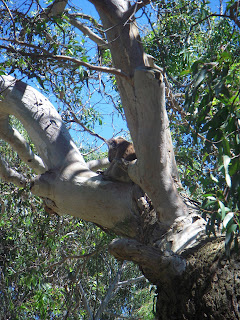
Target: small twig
83 256
14 29
29 45
206 18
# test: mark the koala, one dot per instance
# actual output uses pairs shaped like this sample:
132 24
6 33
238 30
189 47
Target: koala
120 148
120 152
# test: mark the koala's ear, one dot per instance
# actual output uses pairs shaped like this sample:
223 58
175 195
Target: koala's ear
112 143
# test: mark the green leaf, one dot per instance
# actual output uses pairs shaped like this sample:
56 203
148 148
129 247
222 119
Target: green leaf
222 209
227 219
184 72
232 228
226 162
213 178
228 180
211 198
200 77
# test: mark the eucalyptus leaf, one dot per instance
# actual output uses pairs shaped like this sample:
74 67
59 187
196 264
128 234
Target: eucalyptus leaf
227 219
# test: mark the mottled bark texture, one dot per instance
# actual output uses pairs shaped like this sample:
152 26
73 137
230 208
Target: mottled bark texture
208 289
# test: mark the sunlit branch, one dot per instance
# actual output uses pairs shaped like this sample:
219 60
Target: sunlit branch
114 71
81 15
13 22
56 8
95 165
20 145
87 31
130 281
47 54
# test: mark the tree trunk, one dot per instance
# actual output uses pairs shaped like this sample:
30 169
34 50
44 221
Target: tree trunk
208 289
159 225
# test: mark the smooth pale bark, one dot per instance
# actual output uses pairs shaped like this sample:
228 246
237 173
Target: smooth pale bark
143 98
20 145
68 186
162 228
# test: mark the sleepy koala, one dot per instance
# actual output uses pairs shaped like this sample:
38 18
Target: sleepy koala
120 153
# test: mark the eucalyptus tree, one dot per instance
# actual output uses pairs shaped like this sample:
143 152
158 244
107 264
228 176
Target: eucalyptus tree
160 226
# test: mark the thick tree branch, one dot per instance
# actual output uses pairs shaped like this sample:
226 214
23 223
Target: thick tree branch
68 186
95 165
152 260
54 9
42 122
157 179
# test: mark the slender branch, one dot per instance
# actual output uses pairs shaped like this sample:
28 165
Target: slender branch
14 29
86 17
213 15
93 150
20 145
87 31
134 8
114 71
108 295
82 256
22 43
85 302
10 175
78 62
130 281
85 128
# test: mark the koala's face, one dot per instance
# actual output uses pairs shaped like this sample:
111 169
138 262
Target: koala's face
113 147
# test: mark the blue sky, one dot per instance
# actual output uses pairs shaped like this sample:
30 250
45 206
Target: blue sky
112 122
107 130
